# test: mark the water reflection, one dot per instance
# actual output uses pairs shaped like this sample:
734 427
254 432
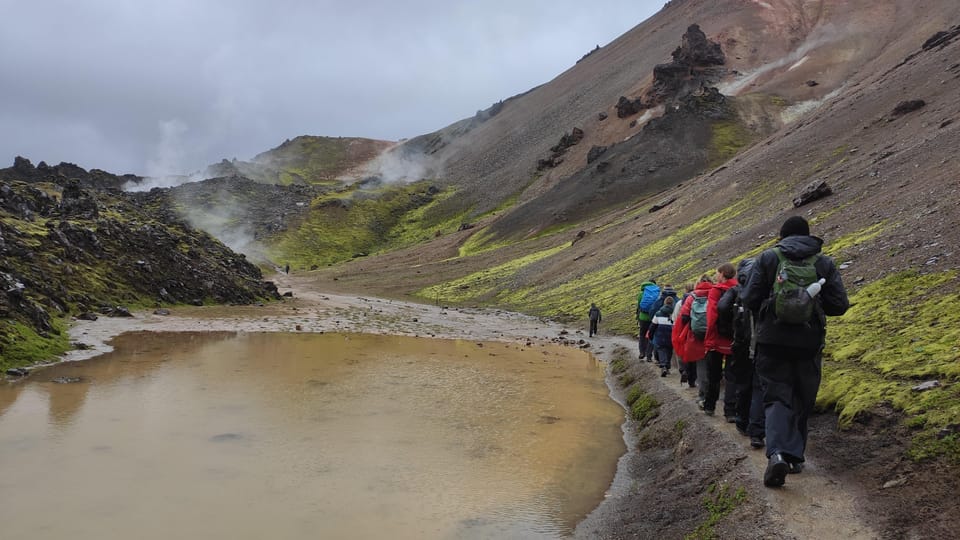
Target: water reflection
307 435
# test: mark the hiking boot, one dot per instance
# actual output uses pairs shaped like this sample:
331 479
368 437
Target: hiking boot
742 430
663 372
777 470
683 377
795 467
732 419
700 404
708 412
756 442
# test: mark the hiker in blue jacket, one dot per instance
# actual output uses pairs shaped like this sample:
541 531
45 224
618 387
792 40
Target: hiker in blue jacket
788 354
661 329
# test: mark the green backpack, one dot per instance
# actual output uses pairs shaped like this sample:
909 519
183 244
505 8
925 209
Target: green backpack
698 316
791 302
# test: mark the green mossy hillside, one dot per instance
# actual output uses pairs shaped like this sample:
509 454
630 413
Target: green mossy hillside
305 160
900 331
356 222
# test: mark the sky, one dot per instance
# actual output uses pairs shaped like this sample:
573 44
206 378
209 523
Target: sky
160 87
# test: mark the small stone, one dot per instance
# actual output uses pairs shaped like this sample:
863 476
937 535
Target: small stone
845 265
928 385
894 483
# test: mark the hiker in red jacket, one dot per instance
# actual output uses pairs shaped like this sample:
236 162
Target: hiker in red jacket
688 347
719 348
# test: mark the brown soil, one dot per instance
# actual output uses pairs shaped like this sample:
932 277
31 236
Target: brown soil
663 480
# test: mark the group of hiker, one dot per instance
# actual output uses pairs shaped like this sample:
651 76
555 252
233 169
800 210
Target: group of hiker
758 328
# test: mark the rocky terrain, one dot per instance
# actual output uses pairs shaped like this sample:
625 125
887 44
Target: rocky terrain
78 246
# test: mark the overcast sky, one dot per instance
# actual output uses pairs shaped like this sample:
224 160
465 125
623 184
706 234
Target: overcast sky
169 86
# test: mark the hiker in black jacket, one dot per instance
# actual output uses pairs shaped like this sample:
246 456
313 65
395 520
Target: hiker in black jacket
733 316
788 356
595 318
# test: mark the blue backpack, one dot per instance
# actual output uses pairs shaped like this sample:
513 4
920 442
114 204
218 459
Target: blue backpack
649 297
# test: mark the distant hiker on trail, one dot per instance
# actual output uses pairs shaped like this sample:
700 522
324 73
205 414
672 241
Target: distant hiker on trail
286 269
594 319
790 330
661 328
718 343
689 331
646 298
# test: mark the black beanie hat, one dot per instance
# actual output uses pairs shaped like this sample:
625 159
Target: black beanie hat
794 226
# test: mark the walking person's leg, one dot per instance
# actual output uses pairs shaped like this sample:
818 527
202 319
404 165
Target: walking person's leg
714 368
777 368
729 388
757 416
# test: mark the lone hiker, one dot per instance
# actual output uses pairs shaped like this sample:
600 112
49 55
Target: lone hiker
790 331
594 319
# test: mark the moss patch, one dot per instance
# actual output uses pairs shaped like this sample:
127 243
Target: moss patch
21 345
727 138
720 501
644 408
900 331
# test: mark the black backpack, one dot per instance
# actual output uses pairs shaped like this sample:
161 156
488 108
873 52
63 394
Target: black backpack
726 318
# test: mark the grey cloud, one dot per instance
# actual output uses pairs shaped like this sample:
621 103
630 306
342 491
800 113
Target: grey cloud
144 86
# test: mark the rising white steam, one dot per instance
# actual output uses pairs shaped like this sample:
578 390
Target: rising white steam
820 36
228 224
168 158
399 166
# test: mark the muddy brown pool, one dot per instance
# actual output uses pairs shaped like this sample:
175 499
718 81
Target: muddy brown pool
257 435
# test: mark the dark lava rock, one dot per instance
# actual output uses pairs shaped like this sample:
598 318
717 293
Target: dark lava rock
602 116
87 316
161 311
566 141
941 39
594 153
908 106
18 372
814 190
629 107
663 204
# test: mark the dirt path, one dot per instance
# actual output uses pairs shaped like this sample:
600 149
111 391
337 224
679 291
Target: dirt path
812 505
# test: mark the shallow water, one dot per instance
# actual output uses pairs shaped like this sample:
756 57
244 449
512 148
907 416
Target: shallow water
307 436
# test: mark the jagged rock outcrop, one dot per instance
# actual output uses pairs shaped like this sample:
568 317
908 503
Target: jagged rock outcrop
694 66
557 151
